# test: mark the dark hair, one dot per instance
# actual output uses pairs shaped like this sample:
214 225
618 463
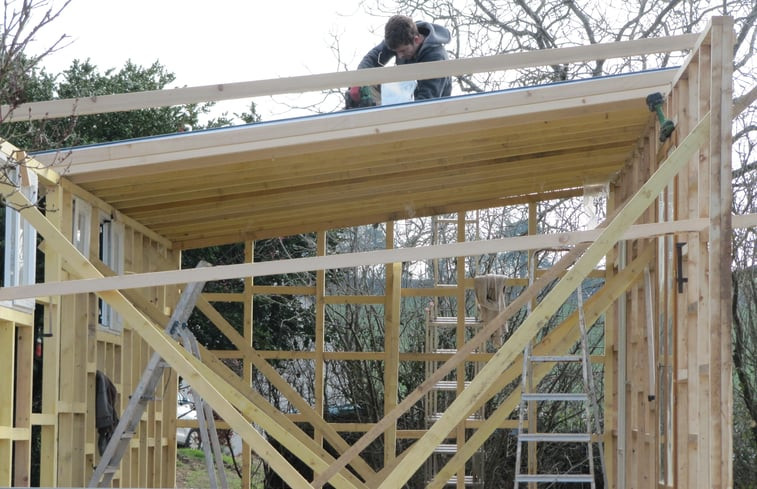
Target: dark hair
399 31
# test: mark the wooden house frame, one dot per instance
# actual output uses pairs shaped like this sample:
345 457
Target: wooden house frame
360 167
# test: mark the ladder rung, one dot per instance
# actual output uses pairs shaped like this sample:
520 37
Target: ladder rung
451 322
437 416
449 351
446 448
551 396
556 358
111 469
468 480
556 437
574 478
448 385
127 435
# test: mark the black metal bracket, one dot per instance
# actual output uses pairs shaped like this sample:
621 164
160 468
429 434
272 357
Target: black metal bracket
680 278
175 327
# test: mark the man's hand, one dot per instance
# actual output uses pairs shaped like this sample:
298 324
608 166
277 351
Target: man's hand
356 97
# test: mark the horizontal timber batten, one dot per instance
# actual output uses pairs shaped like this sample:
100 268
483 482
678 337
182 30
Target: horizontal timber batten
339 261
161 98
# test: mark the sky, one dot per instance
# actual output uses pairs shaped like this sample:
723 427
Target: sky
205 42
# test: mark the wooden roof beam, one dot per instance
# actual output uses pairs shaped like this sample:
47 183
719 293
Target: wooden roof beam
229 91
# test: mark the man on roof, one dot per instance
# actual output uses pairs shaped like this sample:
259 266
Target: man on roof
413 42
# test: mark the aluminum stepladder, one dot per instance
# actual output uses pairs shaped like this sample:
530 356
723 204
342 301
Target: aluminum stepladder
110 460
591 413
205 420
443 392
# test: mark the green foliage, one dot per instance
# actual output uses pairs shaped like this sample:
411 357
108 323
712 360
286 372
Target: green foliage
85 80
191 470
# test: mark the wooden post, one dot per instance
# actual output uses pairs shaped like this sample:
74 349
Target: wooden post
7 354
51 349
391 354
460 339
532 463
23 403
320 337
247 368
719 256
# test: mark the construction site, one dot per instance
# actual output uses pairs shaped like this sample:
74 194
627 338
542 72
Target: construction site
115 300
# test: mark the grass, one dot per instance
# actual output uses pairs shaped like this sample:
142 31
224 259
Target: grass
192 473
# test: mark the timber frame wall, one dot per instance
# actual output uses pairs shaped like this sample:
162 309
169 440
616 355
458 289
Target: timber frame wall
685 179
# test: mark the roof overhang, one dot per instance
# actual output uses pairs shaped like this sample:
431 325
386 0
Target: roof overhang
371 165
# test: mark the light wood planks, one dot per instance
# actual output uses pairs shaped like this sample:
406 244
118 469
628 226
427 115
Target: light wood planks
7 363
719 256
176 96
391 354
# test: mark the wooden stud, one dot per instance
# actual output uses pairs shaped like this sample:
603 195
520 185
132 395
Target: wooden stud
720 232
23 403
7 355
247 334
55 201
320 336
391 352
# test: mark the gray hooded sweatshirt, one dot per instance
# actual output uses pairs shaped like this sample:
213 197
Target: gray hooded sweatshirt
432 49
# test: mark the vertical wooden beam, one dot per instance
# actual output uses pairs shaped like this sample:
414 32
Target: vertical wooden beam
247 368
23 400
679 390
700 424
611 383
686 376
532 464
7 354
54 201
392 299
460 340
320 336
391 354
720 231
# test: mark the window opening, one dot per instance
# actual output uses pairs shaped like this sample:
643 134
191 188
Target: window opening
111 254
20 241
